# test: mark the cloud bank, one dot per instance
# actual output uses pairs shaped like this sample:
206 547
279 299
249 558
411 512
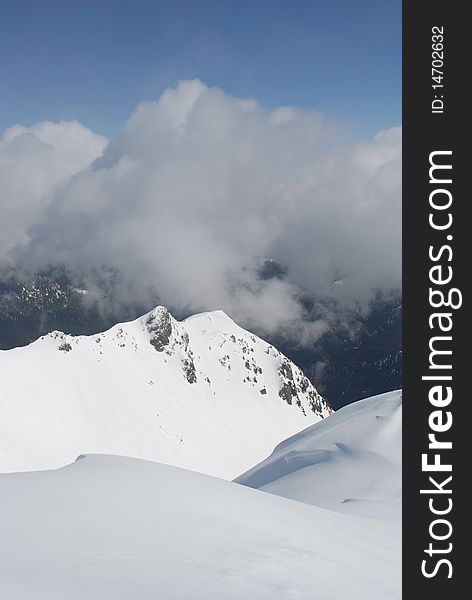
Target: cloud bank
33 162
192 198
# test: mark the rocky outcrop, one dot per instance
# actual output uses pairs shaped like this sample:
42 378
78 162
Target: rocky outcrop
167 335
294 384
159 325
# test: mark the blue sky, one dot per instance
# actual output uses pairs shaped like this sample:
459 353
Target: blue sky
95 60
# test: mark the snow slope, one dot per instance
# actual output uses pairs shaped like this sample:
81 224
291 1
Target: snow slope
202 394
113 528
350 462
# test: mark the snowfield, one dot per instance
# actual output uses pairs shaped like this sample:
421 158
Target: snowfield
202 394
113 528
318 519
350 462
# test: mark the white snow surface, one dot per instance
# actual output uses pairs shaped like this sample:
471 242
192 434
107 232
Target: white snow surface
350 462
113 528
189 394
203 394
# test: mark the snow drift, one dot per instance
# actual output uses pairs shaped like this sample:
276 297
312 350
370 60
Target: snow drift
350 462
112 528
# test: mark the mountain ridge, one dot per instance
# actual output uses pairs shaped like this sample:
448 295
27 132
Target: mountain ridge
179 392
359 355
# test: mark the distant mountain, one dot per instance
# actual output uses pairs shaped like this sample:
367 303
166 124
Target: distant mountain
359 356
44 303
203 394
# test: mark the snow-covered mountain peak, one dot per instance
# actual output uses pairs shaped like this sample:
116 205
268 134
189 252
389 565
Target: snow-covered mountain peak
169 336
212 315
161 326
163 329
202 393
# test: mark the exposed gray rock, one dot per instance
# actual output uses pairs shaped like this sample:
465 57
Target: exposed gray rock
188 367
159 325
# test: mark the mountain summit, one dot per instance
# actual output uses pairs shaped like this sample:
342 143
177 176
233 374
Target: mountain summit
202 394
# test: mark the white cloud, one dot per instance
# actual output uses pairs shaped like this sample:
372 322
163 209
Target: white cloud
196 191
33 162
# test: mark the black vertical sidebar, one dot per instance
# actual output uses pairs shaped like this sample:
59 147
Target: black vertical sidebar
430 534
